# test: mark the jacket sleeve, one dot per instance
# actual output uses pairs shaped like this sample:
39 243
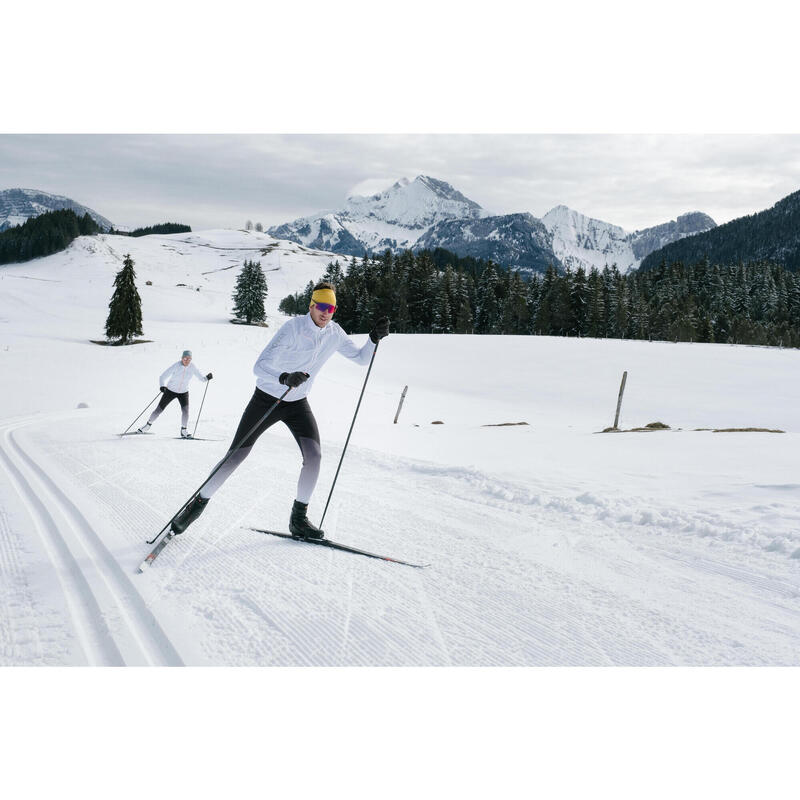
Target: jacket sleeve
166 375
272 361
349 349
199 375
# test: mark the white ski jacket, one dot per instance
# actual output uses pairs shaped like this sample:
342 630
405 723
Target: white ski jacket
300 345
176 378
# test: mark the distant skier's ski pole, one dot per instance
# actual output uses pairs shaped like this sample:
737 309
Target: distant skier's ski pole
349 432
158 393
201 409
229 454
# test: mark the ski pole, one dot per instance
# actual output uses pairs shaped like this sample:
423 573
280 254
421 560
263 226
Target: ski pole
201 410
214 471
349 432
141 412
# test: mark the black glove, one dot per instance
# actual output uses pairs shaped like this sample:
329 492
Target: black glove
379 329
293 379
162 388
209 376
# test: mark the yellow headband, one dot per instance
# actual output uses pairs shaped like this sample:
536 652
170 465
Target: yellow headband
323 296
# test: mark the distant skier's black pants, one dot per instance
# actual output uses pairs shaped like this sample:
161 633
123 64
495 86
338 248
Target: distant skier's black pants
166 398
298 417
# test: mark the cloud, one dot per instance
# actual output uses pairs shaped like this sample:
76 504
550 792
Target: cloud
222 180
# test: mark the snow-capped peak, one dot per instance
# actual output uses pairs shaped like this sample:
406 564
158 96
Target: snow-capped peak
414 204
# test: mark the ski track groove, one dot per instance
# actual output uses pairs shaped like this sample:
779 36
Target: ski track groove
21 633
113 623
93 636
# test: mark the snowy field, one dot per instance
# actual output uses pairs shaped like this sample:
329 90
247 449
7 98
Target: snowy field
548 543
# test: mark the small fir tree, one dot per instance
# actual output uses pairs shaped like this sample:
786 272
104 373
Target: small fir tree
125 308
249 294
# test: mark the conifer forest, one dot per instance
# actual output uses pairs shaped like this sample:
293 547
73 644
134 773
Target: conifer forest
437 292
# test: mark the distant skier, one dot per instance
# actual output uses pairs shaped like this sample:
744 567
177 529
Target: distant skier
174 382
292 359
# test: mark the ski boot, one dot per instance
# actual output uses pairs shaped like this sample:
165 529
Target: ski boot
144 428
299 525
189 514
185 434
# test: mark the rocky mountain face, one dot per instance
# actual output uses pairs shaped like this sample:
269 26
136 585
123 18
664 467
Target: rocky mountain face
513 240
18 205
650 239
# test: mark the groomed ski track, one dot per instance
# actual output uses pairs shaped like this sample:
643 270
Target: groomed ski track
109 619
518 576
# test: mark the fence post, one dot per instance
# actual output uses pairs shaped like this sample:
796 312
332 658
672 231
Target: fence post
402 397
619 399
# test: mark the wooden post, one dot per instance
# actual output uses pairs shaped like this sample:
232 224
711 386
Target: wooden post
619 399
402 397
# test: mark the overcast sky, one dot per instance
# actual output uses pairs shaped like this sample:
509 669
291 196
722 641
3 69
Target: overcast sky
209 181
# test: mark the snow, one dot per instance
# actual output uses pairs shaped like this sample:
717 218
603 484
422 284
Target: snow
550 543
580 241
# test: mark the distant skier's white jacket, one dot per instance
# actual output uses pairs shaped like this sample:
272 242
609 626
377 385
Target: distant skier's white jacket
300 345
176 378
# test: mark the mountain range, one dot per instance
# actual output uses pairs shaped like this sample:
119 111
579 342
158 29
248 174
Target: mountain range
427 213
18 205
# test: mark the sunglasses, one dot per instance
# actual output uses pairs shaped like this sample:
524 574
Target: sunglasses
325 308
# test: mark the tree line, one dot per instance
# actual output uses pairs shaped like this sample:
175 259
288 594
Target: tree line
162 228
753 303
43 235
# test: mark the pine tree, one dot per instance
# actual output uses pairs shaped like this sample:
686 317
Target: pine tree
441 311
487 311
125 308
596 321
515 307
249 294
579 300
333 274
547 302
464 319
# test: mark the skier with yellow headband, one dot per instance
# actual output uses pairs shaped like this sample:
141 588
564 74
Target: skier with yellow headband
292 359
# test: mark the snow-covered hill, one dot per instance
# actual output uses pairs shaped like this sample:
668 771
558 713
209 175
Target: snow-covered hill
549 544
18 205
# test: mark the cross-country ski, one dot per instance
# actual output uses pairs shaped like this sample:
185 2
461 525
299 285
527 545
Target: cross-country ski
339 546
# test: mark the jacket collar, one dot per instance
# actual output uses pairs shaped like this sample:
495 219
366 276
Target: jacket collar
314 328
